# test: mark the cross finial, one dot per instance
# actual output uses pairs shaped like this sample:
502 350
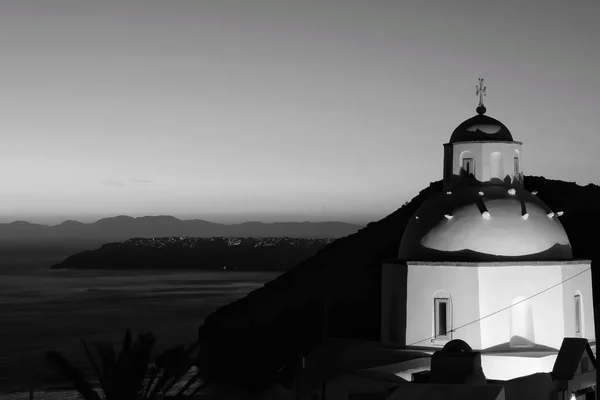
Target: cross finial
481 91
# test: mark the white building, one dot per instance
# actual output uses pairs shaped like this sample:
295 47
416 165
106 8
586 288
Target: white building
487 262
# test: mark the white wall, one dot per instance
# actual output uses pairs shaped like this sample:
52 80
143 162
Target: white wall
508 153
462 284
504 367
482 152
475 149
581 283
478 290
500 285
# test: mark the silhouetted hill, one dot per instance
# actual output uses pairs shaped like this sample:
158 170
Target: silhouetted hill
197 253
338 291
123 227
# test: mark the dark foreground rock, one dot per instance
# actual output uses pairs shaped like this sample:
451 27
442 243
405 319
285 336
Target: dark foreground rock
255 341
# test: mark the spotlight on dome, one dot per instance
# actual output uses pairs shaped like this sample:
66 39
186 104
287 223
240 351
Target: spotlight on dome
481 193
559 214
448 216
449 192
550 214
512 191
534 192
525 216
486 215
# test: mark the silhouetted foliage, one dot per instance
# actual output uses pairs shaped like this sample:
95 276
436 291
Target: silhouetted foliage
130 374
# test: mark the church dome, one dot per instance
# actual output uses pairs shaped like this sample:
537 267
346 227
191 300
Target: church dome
485 223
481 128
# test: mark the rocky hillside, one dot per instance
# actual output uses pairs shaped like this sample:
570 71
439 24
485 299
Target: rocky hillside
197 253
336 292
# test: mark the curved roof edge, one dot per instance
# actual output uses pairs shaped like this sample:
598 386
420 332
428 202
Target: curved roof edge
486 263
484 141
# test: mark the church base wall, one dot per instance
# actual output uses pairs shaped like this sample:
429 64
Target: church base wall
458 289
493 306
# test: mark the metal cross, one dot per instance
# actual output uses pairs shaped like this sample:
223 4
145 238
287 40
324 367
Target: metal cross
481 91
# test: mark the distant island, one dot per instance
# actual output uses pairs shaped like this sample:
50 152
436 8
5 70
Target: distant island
124 227
24 240
219 253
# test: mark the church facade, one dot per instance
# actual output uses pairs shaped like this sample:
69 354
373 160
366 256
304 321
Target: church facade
487 262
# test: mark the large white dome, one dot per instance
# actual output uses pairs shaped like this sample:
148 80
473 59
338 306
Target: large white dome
484 223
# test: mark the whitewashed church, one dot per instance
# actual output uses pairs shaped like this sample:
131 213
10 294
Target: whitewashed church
485 299
487 262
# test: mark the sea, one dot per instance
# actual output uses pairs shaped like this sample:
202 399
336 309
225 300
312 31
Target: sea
43 309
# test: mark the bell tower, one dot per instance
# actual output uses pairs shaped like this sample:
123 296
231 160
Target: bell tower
482 150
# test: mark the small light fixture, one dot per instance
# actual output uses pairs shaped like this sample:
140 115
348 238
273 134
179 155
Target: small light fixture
449 192
512 191
559 214
481 193
550 214
525 216
448 216
416 217
486 215
534 192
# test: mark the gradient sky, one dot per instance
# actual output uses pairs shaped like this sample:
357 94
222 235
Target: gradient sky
274 109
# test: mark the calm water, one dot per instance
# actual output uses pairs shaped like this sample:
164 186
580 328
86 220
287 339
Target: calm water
42 309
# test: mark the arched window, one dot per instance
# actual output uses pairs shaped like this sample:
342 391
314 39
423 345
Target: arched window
517 173
467 163
521 323
497 166
442 317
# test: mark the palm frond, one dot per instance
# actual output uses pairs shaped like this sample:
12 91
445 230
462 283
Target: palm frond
95 366
73 374
188 384
131 373
107 356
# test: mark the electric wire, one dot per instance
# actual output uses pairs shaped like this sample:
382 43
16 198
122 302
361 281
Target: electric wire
505 308
357 372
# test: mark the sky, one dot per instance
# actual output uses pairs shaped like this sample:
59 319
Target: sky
278 109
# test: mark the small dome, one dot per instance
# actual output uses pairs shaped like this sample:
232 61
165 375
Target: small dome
481 128
463 225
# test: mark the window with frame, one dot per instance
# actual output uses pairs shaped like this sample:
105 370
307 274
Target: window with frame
578 315
441 318
468 166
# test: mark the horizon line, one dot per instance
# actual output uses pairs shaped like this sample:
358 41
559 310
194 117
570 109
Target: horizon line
4 221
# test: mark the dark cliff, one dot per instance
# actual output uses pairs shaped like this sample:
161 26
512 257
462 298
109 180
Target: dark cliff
336 293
